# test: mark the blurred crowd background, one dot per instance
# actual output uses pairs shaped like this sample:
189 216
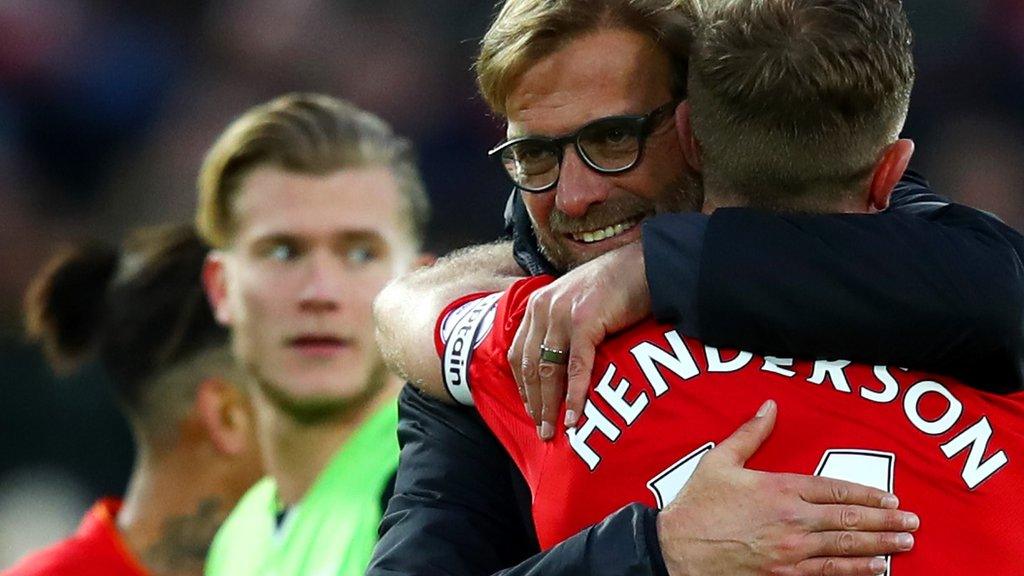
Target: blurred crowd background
106 107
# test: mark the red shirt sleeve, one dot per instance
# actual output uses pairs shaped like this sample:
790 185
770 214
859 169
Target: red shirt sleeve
473 336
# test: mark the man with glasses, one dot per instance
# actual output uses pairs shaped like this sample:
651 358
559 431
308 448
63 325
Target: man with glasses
609 146
479 531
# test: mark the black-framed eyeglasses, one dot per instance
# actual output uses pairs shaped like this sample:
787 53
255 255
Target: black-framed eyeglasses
610 145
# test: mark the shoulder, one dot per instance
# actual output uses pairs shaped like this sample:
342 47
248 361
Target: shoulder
74 556
58 558
96 549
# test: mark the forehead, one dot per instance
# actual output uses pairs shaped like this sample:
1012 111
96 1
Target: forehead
603 73
274 201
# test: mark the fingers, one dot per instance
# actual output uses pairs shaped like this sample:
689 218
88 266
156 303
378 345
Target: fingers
819 490
552 392
581 364
859 543
552 374
863 519
523 366
529 361
741 445
588 330
515 364
853 553
837 567
573 314
541 382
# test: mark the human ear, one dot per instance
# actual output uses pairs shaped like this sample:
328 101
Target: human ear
222 411
888 172
214 278
687 140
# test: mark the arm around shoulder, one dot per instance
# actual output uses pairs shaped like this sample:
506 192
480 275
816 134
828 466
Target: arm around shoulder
941 291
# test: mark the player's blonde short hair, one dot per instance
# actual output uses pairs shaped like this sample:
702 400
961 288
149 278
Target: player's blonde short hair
524 31
306 134
793 101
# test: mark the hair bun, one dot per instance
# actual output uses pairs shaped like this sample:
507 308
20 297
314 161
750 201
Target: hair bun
66 302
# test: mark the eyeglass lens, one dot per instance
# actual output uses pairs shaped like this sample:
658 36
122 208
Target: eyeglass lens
532 164
609 145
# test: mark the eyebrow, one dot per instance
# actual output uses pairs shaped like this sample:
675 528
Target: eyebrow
510 137
342 236
363 235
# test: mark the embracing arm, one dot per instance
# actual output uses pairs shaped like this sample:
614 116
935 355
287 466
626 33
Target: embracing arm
928 284
406 311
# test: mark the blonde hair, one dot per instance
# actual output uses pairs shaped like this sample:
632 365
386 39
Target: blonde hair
306 134
794 100
524 31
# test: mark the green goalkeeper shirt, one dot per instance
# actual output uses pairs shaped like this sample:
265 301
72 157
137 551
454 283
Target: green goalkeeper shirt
331 531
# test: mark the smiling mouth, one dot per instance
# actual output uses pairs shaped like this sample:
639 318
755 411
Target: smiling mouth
592 236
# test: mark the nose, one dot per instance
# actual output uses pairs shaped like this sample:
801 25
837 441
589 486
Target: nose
579 186
324 284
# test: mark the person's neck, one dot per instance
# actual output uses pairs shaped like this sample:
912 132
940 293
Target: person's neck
295 453
715 198
173 507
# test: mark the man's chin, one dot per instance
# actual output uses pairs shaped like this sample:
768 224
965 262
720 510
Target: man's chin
332 402
311 410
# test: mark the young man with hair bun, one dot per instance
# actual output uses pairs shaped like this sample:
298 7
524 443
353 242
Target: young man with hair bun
140 311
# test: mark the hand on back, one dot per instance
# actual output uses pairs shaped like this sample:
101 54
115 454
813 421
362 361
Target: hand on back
728 519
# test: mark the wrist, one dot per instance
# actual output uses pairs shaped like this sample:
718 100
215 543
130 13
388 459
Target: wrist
673 562
652 533
687 549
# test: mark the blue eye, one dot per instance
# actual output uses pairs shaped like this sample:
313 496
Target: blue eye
281 252
360 254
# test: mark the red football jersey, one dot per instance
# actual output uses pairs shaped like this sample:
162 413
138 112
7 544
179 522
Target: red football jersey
96 549
660 401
